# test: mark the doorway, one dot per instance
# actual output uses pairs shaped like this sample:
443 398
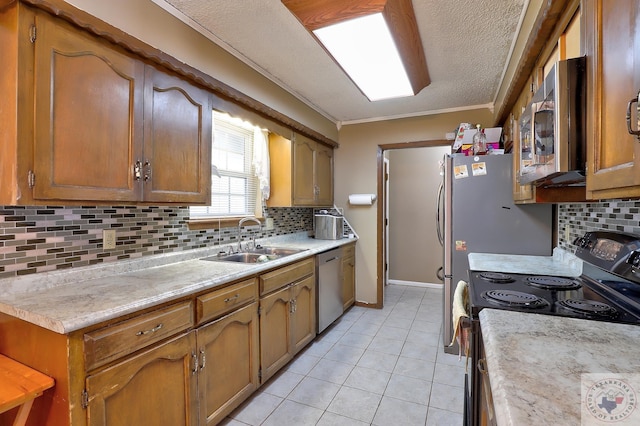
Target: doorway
409 219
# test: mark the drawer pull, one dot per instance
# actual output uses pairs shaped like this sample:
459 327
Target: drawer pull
230 299
195 363
152 330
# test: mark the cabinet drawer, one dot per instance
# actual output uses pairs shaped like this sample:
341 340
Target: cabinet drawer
113 342
286 275
220 302
349 250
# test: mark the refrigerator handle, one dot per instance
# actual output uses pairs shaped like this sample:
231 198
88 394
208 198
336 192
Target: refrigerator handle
439 213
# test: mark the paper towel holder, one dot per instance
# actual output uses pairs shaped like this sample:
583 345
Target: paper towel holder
362 199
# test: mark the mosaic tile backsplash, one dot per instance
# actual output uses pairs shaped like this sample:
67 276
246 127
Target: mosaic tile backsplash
39 239
610 215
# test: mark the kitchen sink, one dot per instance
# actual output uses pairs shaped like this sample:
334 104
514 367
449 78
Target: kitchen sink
257 255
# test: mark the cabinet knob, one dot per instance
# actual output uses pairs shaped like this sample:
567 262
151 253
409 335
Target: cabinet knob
147 171
636 133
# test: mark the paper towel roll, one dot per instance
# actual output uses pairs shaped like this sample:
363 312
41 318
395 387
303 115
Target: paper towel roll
362 199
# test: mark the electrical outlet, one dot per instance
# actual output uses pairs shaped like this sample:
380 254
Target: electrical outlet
567 235
108 239
268 225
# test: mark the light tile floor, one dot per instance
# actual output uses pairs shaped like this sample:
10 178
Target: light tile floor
371 367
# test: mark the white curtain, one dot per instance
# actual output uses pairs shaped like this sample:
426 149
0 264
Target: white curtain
261 161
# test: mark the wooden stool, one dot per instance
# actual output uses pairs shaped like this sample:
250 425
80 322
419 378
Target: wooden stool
19 386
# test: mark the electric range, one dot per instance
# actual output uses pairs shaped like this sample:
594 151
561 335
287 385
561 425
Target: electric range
607 290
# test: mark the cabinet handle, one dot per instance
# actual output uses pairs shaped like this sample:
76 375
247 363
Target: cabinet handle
482 366
137 170
636 133
194 356
203 359
229 299
151 330
147 171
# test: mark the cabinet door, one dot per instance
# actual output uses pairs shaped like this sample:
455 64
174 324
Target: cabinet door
303 327
177 140
303 171
348 281
324 175
612 43
157 387
229 362
275 332
88 116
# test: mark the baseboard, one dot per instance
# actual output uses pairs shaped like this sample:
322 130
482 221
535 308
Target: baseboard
415 284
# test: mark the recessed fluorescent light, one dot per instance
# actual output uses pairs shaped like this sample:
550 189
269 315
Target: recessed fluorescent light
377 43
365 49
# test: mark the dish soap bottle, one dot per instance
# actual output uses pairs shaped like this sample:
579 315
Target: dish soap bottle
479 142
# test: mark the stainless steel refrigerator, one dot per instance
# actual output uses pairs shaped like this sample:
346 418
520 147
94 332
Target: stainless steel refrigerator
476 214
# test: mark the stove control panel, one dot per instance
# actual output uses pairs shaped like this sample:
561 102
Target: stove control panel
614 252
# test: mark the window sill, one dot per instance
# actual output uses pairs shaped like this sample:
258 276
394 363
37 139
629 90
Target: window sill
215 223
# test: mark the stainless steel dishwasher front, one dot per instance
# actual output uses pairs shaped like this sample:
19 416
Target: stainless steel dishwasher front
329 297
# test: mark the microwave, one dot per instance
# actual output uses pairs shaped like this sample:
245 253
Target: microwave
556 126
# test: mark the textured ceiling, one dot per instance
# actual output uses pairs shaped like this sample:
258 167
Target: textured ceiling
467 44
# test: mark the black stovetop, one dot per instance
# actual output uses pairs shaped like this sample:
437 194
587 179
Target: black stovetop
570 297
607 290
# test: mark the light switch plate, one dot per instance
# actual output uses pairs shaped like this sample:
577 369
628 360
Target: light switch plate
268 224
108 239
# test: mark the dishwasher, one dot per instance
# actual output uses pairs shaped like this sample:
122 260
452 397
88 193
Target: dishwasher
329 297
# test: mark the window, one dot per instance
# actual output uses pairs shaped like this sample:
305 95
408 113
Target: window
235 191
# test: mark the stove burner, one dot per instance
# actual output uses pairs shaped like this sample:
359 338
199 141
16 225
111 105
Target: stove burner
514 299
496 277
589 308
553 283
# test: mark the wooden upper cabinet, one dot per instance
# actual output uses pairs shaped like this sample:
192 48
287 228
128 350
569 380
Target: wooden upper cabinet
304 186
324 175
88 116
177 140
85 120
301 172
612 45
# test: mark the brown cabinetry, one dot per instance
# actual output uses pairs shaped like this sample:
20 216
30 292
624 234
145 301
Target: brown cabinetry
229 362
95 123
158 386
287 315
302 172
612 44
348 275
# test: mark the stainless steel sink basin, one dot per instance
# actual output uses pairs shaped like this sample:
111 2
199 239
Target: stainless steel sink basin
277 251
257 255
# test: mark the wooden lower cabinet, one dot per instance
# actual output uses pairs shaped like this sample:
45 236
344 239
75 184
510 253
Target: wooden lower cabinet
229 363
348 276
156 387
189 363
304 313
287 324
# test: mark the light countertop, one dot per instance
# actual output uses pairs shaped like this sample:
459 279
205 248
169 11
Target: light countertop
539 365
561 264
65 301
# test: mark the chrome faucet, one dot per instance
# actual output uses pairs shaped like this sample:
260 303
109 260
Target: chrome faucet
253 236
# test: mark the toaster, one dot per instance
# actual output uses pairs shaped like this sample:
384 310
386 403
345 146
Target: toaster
328 226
